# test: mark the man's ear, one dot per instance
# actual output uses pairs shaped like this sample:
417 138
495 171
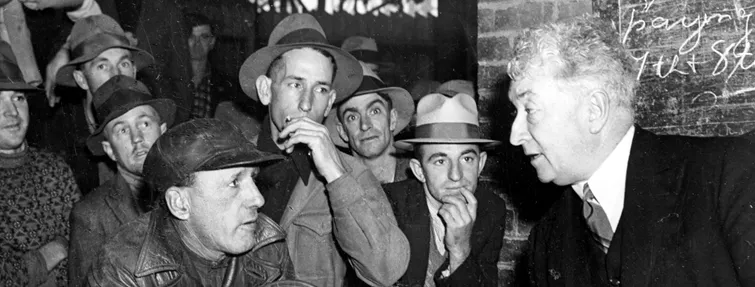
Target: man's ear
599 110
263 89
394 119
108 150
331 100
417 170
341 131
163 128
78 76
483 159
178 202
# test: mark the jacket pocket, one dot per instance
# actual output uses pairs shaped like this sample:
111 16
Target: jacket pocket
318 221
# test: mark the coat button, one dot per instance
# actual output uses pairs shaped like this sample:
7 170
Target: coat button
614 282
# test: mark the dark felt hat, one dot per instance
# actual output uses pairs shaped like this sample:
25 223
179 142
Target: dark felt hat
90 37
299 31
116 97
11 77
199 145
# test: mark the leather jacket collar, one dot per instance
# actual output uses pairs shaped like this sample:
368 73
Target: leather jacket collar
159 250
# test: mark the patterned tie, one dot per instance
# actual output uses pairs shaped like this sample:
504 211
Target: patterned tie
597 219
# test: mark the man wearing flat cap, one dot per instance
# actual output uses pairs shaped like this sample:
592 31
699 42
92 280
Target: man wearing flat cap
331 206
455 229
366 122
37 192
207 230
131 121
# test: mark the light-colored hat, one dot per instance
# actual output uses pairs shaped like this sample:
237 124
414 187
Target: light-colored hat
450 119
90 37
400 99
363 48
293 32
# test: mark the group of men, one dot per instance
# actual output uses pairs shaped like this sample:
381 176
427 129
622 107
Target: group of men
200 204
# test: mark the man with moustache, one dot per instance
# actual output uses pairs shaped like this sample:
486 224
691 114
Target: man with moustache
638 209
455 230
131 121
366 123
332 208
37 192
207 230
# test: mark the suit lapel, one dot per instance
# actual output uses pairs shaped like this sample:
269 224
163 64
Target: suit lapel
417 231
120 202
653 181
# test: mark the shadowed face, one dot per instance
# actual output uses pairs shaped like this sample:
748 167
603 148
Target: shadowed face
108 64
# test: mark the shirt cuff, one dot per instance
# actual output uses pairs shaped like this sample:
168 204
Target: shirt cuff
36 267
87 8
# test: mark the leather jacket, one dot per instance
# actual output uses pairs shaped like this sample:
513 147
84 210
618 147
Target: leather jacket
148 252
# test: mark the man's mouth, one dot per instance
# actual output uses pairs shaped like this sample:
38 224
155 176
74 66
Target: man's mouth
13 127
534 156
141 152
369 138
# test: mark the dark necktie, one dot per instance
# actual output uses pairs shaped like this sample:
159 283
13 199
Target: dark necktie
597 219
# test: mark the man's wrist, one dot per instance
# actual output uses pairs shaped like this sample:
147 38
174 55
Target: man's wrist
456 257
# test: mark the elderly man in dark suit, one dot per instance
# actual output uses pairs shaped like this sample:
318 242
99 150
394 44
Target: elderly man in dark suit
455 229
641 209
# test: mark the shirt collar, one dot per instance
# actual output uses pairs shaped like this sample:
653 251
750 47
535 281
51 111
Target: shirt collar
608 183
438 229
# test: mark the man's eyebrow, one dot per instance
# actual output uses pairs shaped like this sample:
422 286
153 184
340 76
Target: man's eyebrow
470 150
523 94
437 154
350 110
376 101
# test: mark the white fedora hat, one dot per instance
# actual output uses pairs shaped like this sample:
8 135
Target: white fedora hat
447 119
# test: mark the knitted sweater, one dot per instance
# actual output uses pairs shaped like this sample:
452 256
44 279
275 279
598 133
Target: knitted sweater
37 192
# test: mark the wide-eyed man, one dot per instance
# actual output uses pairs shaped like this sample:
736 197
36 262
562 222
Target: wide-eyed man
131 121
366 122
37 192
455 229
332 208
207 230
639 209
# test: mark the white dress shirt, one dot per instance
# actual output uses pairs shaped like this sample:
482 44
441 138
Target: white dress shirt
608 183
438 229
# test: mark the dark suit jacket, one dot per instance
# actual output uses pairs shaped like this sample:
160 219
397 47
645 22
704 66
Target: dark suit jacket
688 220
480 269
94 220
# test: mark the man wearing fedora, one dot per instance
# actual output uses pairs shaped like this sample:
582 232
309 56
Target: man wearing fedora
37 192
365 50
130 120
366 122
455 229
207 230
331 206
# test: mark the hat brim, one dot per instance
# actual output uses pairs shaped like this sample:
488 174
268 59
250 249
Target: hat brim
165 108
408 144
64 77
19 86
401 101
348 70
246 155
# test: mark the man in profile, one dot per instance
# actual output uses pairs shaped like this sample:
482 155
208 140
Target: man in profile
207 230
638 209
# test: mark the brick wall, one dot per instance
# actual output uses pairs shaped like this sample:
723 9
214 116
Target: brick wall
499 22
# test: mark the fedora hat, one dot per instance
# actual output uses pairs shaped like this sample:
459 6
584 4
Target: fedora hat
299 31
90 37
449 119
11 78
453 87
116 97
363 48
401 101
423 87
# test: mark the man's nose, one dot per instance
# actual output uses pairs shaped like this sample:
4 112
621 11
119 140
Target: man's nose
256 199
366 123
305 101
519 133
455 173
137 136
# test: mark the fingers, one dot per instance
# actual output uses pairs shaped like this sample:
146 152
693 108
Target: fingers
457 214
302 123
471 202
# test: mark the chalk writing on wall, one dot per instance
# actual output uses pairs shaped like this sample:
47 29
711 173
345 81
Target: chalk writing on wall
696 62
424 8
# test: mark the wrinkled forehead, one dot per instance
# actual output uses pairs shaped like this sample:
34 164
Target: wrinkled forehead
362 102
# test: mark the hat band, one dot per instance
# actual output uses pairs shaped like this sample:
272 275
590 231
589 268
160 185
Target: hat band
366 56
97 43
305 35
118 100
370 83
448 131
10 73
